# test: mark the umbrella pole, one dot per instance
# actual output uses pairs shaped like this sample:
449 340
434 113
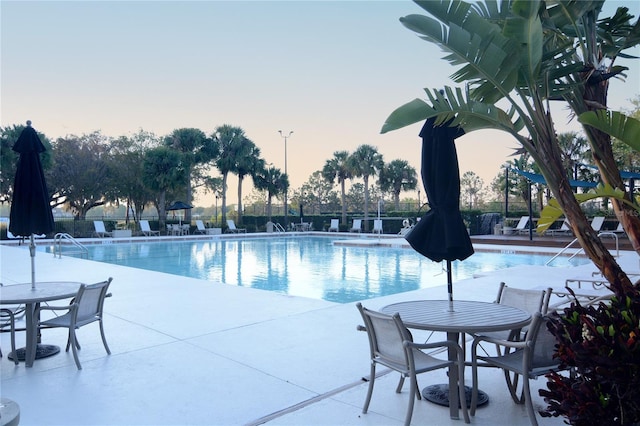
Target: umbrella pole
450 285
32 252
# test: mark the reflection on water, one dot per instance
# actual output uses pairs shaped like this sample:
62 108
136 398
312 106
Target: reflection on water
302 266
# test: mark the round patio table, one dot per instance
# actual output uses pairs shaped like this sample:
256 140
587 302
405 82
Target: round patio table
453 318
25 294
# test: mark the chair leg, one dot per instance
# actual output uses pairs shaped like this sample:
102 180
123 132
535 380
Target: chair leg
72 340
400 384
529 402
462 393
474 382
412 397
104 339
372 379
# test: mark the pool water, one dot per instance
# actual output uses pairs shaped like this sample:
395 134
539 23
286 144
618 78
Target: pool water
304 266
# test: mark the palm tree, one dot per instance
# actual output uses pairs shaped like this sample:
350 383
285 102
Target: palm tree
229 140
248 162
271 180
162 171
338 167
366 161
196 148
398 176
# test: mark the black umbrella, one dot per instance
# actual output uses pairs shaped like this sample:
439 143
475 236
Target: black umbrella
30 209
179 205
441 233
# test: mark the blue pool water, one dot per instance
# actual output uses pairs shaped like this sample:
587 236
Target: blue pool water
303 266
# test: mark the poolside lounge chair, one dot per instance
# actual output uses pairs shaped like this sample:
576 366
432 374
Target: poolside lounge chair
619 229
521 227
86 307
232 227
377 226
146 229
100 231
200 228
335 225
597 222
356 226
565 229
391 345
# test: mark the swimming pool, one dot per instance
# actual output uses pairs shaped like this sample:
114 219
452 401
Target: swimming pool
303 266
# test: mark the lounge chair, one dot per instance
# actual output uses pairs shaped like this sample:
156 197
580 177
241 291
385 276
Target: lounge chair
335 225
597 222
619 229
232 227
377 226
200 228
565 229
86 307
357 225
146 229
521 227
100 231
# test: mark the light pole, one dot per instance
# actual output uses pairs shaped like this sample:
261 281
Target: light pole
286 190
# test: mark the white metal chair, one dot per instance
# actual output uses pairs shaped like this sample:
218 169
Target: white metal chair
391 345
85 308
530 359
146 229
200 228
335 225
356 226
100 230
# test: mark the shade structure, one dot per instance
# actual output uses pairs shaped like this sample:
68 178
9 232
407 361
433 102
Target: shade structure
30 209
441 233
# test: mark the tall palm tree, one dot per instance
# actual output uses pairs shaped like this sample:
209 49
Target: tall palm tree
339 168
271 180
398 176
229 140
366 161
248 162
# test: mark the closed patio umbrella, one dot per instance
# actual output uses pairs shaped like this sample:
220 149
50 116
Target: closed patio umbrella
30 209
441 233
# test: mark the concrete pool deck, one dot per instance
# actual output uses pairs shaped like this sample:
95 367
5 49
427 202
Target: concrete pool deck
188 351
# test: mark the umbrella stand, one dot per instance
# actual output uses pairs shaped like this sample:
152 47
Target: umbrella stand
32 252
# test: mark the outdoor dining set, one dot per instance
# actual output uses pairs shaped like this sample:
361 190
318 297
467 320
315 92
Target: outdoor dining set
509 335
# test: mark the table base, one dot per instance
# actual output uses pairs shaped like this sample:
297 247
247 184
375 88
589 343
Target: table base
439 394
42 351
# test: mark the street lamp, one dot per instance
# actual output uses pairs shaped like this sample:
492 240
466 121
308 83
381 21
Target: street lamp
286 190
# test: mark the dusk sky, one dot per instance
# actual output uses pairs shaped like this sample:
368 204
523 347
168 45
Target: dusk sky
331 71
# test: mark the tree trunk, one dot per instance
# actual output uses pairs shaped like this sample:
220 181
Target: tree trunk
162 213
549 160
366 203
240 179
224 197
344 204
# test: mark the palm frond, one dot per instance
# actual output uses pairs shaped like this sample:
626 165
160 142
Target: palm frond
616 124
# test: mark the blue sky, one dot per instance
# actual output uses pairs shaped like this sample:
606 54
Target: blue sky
331 71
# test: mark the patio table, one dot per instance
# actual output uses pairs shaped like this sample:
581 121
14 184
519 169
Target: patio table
453 318
25 294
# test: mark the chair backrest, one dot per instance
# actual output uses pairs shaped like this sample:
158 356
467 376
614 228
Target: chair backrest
144 225
386 336
531 301
539 358
565 226
357 224
90 300
231 224
377 224
200 225
523 222
619 228
99 226
335 223
597 222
